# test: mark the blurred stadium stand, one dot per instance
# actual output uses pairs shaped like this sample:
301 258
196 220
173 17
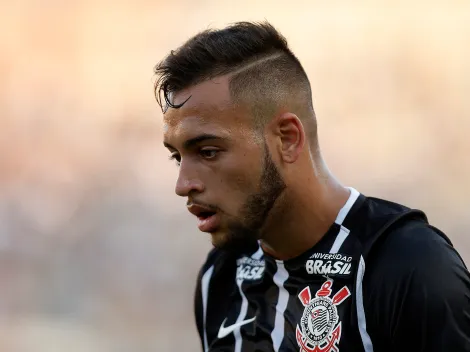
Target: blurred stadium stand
96 251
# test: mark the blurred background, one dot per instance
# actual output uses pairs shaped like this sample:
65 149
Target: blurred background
96 251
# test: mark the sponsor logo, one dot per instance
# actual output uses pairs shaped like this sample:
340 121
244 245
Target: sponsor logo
319 329
329 264
224 331
250 269
329 256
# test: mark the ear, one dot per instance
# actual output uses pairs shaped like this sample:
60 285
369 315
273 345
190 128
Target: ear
291 133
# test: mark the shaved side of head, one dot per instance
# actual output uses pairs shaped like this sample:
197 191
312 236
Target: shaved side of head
265 77
273 84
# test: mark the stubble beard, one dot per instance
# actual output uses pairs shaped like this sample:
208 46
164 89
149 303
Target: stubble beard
243 234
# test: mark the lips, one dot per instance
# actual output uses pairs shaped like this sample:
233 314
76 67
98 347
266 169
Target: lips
208 219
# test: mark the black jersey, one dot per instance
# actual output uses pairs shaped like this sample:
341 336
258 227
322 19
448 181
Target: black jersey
380 279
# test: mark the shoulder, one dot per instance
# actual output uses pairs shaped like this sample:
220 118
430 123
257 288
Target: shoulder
415 251
415 248
411 277
403 236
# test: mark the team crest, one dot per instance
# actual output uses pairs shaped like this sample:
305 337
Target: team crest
320 329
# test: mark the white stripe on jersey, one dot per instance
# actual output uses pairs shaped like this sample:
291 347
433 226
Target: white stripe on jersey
347 207
361 315
340 238
241 316
244 307
277 335
206 278
258 254
344 232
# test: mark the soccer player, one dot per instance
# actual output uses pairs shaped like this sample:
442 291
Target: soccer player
300 262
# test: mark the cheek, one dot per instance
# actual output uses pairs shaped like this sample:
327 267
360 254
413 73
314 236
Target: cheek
240 180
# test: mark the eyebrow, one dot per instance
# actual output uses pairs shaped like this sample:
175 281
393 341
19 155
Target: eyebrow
188 144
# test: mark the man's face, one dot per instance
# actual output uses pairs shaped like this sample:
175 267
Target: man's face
225 168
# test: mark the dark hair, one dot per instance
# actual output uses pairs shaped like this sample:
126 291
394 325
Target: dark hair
213 53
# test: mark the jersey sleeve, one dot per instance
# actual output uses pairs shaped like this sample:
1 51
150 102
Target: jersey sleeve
417 294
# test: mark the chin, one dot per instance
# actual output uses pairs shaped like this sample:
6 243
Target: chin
219 239
233 244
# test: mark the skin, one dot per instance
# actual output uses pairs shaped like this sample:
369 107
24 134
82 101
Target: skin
263 184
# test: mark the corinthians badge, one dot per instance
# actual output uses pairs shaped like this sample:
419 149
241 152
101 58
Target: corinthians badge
320 328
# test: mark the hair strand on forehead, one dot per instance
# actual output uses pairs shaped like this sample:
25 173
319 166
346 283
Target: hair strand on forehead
263 72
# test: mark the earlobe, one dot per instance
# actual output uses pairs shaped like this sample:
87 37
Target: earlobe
292 135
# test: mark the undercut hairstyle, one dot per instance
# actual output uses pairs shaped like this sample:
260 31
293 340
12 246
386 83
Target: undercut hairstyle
264 75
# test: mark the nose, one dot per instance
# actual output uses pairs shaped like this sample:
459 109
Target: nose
188 182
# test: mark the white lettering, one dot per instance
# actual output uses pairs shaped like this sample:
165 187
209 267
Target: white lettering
322 267
239 271
337 267
259 272
247 272
317 266
250 261
327 267
309 266
346 270
328 256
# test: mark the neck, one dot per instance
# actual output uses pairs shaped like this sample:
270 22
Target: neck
306 216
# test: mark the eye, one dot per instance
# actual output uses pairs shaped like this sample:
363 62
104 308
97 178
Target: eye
176 157
208 153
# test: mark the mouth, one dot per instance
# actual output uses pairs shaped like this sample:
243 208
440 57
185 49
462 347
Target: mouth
208 220
205 215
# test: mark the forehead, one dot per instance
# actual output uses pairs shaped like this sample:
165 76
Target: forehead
208 109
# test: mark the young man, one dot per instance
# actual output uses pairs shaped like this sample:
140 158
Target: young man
300 262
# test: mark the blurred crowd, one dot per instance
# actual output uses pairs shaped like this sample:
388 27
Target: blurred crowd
96 251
